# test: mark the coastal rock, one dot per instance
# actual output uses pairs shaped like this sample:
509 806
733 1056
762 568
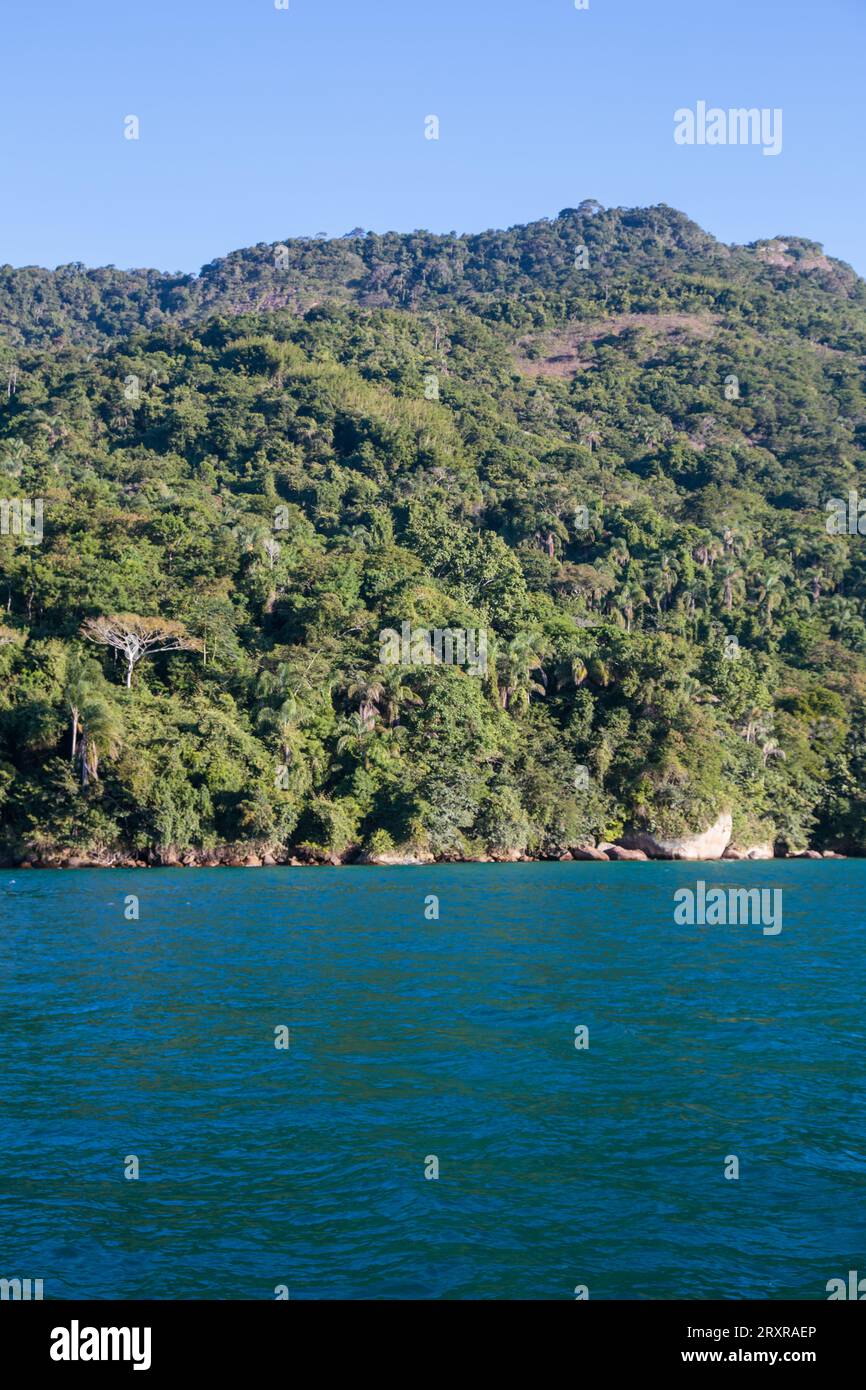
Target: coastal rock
392 857
760 851
268 861
589 852
808 854
620 852
708 844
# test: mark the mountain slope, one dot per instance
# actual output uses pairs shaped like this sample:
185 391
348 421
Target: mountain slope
605 442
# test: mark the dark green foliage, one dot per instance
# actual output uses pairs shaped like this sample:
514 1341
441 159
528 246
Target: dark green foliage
296 450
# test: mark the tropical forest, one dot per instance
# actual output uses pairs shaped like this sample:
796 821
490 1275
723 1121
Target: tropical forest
613 446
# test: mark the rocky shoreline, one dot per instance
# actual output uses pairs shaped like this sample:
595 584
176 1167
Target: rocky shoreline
715 843
234 857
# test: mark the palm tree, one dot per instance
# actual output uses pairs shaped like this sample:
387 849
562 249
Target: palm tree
630 596
281 714
843 615
84 681
731 577
599 672
654 434
282 718
661 581
355 736
588 431
816 581
368 693
771 590
756 725
101 735
707 551
619 553
394 695
573 670
522 659
771 749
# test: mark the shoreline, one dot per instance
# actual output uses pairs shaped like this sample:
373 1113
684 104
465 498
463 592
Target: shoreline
268 861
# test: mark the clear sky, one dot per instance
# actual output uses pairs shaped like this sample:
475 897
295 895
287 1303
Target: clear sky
258 124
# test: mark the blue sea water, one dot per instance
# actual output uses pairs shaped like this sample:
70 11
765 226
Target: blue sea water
412 1038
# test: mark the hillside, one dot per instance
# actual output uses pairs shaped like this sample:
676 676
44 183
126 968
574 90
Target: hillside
605 442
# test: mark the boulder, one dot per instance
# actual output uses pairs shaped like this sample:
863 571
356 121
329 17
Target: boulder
760 851
589 852
707 844
619 852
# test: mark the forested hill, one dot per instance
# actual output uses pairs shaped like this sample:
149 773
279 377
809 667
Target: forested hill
602 444
640 260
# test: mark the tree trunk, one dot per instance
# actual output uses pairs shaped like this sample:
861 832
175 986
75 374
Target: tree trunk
74 718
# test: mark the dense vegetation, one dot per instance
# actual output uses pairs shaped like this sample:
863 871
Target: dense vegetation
619 472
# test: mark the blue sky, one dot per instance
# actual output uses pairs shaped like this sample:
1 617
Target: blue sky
258 124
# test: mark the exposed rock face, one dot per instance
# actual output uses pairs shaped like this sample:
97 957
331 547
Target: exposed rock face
709 844
622 852
760 851
588 852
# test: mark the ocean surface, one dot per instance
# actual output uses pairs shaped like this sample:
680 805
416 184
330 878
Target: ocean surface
413 1038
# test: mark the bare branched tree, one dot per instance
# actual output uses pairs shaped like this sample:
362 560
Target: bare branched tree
139 637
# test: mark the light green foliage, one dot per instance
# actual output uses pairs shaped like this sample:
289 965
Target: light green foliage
647 556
